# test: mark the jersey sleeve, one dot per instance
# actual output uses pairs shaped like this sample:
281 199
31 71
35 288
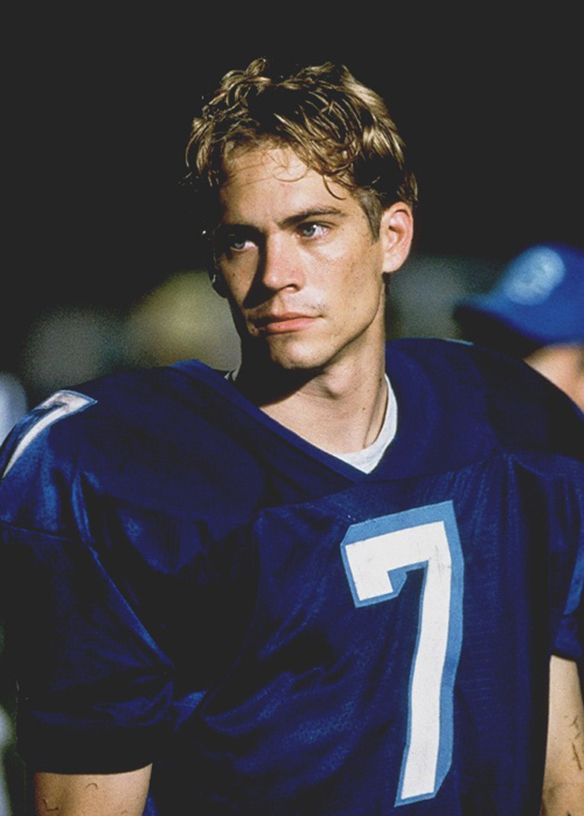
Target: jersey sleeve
569 641
95 691
568 524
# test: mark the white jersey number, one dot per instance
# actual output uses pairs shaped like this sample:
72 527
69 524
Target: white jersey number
378 555
56 407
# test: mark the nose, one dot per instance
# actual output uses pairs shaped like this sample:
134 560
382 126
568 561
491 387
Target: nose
281 264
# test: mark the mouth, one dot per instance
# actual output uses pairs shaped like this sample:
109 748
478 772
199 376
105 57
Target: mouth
283 323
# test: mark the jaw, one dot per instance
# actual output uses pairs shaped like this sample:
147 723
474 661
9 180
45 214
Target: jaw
282 353
274 367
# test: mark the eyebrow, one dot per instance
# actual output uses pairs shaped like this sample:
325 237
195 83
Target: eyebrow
291 220
306 215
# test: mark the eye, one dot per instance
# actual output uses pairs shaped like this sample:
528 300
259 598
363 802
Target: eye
237 243
312 229
233 241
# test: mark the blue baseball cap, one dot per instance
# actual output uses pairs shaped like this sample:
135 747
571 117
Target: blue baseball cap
539 297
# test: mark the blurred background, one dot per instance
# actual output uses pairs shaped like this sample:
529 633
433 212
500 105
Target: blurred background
104 265
103 268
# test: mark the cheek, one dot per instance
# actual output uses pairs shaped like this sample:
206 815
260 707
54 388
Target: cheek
237 283
363 280
357 263
355 300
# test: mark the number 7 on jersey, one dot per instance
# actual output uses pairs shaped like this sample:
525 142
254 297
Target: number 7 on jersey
377 555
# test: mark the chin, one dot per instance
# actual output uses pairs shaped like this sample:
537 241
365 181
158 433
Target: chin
297 356
296 362
289 354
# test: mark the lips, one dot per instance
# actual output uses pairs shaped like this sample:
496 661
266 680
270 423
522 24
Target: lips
284 322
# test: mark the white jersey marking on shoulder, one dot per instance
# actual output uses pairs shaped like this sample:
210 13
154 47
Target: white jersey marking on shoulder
58 406
459 341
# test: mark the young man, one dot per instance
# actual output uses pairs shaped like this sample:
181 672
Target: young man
330 583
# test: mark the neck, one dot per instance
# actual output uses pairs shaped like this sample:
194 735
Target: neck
339 409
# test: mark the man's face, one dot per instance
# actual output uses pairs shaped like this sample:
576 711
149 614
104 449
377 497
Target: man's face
302 270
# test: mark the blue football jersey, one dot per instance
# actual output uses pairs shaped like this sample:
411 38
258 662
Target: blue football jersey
187 583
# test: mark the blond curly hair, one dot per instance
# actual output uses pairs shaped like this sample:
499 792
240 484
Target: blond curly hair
335 125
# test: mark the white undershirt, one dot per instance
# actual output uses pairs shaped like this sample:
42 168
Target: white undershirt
367 458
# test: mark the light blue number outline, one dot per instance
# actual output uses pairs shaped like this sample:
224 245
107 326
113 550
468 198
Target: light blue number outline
442 512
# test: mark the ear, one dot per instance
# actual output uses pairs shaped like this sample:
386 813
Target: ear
396 232
217 281
215 276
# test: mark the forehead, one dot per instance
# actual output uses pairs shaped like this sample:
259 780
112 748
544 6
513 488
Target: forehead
273 181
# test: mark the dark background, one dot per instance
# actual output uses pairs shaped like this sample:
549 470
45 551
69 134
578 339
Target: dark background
99 106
